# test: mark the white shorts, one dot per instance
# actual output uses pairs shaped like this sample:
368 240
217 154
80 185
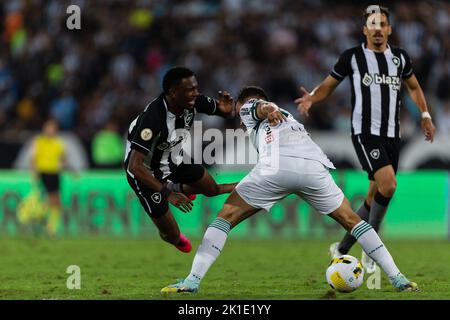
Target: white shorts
309 179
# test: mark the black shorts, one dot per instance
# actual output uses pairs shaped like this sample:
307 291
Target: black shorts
50 181
375 152
151 199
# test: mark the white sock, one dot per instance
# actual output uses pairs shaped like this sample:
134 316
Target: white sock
374 247
210 248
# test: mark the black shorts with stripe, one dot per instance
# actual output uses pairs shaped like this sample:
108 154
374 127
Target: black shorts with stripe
375 152
151 200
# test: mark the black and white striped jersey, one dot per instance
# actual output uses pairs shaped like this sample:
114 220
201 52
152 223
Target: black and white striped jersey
375 81
159 134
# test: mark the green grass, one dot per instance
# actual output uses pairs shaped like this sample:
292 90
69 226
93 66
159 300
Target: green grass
139 268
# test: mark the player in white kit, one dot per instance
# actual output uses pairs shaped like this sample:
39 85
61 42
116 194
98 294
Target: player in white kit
289 162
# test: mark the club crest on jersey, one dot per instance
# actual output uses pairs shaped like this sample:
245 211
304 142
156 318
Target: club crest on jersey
146 134
156 197
375 154
396 61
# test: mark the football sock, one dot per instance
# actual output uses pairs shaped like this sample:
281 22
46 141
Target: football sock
348 241
210 248
374 247
378 210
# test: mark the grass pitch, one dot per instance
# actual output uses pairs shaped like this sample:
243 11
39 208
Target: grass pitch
261 269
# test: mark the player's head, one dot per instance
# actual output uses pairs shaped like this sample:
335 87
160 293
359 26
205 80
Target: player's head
247 93
377 27
50 127
181 87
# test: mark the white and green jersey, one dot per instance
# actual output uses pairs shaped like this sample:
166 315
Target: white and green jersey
287 139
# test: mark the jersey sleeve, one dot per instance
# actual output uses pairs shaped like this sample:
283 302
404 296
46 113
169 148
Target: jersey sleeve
146 130
205 104
248 114
407 65
343 67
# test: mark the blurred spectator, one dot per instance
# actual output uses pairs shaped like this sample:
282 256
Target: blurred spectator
108 147
443 119
63 109
8 91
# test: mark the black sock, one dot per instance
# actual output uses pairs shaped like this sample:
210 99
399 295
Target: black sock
378 210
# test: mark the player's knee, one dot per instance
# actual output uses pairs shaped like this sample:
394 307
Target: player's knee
388 188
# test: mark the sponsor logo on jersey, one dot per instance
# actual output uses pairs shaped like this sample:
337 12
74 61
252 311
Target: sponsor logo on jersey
269 135
375 154
146 134
367 80
156 197
163 146
169 145
244 112
392 81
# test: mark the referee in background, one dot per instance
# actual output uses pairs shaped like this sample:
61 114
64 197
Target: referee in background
47 161
376 70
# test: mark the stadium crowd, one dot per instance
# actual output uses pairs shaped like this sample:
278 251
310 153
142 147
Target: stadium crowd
111 68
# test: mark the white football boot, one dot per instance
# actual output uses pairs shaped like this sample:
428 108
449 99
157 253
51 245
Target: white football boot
368 264
334 250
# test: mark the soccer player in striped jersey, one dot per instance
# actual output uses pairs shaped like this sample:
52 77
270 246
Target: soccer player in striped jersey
289 163
376 71
154 155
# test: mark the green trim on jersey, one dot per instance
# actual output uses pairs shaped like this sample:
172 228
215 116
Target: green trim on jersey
253 113
253 110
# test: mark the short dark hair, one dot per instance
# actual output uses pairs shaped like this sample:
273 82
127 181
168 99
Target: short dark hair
251 91
174 76
382 10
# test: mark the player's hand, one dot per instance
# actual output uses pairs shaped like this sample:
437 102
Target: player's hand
226 104
428 129
180 201
304 103
275 117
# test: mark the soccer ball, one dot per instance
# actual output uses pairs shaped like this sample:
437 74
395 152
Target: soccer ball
345 274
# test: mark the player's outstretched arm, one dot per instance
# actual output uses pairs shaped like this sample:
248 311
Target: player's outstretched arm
416 93
270 111
319 94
